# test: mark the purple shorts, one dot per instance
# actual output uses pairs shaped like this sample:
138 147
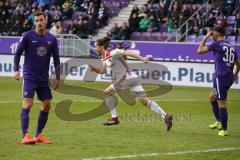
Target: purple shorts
41 87
221 86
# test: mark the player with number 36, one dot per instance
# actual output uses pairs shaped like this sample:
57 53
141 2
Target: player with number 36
225 57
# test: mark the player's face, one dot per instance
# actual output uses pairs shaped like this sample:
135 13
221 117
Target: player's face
40 23
99 49
215 35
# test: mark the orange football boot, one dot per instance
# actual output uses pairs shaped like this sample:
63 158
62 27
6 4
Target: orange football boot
28 139
42 139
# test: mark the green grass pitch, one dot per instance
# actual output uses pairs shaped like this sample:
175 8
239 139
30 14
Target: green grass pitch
139 132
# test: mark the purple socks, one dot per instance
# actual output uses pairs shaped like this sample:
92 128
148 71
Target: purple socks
215 109
42 120
223 117
24 120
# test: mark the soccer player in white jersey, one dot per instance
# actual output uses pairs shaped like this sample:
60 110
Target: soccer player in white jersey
124 79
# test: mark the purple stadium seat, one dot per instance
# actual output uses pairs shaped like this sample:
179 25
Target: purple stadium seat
76 15
198 5
155 36
116 4
172 39
163 37
116 11
110 11
106 1
146 36
230 20
164 28
53 13
66 25
199 38
191 38
166 34
107 4
113 11
209 40
155 6
229 30
238 40
136 36
231 39
124 3
204 9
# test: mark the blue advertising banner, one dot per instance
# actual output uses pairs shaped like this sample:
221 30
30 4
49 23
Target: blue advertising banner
8 45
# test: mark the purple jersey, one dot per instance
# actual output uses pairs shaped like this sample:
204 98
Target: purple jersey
38 51
225 55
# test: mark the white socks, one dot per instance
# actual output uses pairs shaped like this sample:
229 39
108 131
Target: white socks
156 108
110 101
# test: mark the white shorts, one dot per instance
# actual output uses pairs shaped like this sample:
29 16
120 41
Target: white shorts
131 82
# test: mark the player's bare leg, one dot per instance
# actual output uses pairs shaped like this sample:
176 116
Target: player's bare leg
42 120
27 105
212 99
110 101
223 117
156 108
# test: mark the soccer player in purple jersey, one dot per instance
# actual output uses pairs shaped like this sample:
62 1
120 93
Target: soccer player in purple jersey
225 73
39 46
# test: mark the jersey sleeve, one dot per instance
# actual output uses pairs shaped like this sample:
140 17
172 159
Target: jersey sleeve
56 59
105 63
236 55
212 46
20 48
116 52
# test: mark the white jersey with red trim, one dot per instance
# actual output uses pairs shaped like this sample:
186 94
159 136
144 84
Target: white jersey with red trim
114 60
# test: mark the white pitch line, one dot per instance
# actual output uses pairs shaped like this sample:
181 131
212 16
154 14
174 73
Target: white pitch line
161 154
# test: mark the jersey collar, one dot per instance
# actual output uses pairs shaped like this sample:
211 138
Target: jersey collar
107 54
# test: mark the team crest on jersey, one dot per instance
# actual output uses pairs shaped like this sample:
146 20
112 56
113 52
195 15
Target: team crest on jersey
49 42
41 51
25 93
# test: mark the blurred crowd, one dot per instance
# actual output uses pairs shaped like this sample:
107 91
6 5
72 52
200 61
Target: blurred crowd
169 15
17 17
224 13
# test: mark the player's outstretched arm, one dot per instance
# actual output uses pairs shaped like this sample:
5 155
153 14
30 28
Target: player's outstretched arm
138 57
202 49
236 69
100 70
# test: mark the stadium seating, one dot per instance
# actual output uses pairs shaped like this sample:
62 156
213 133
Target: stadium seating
66 24
113 8
191 38
231 39
230 20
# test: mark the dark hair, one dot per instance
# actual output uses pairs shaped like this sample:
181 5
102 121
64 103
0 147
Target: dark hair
103 42
220 30
120 45
38 13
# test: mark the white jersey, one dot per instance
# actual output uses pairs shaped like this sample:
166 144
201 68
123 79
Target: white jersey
122 77
114 60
